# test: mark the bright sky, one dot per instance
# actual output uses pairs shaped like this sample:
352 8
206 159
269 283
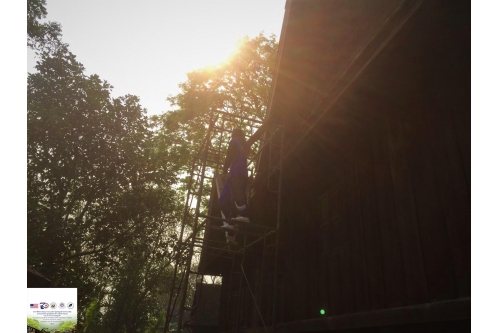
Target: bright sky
146 47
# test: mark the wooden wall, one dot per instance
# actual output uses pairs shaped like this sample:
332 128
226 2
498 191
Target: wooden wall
377 201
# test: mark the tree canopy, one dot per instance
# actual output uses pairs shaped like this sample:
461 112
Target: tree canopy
241 86
41 36
105 195
100 197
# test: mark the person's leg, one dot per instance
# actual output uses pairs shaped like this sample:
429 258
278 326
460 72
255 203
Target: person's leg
225 205
225 200
239 190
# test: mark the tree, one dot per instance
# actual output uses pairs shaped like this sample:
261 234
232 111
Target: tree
102 208
42 36
241 86
92 316
96 183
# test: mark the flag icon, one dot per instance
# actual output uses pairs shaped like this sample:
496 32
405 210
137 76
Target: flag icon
33 306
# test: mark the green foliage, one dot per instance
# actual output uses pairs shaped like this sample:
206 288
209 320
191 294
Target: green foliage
240 86
99 192
34 323
67 326
42 36
156 323
91 315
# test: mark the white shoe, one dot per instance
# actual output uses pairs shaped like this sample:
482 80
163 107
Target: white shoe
227 225
241 219
231 239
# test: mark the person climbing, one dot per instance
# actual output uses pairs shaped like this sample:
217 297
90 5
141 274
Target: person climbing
233 197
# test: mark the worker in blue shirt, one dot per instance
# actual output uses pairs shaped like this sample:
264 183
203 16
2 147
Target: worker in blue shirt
233 197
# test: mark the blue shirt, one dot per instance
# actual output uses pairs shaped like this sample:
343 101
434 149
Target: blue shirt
236 159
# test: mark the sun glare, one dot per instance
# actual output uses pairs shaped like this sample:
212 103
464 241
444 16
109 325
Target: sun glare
212 53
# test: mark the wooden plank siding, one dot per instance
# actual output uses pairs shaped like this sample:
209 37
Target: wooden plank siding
312 306
453 196
388 241
359 271
371 224
333 261
395 170
448 122
392 259
435 244
409 233
346 288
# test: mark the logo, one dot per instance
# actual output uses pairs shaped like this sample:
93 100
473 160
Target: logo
53 305
61 305
33 306
44 305
71 305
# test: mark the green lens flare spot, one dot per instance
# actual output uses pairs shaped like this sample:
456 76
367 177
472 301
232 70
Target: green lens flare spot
322 311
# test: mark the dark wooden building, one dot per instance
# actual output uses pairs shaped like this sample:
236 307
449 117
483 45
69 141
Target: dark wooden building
374 98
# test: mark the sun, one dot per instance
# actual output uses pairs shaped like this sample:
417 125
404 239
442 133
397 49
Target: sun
210 53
